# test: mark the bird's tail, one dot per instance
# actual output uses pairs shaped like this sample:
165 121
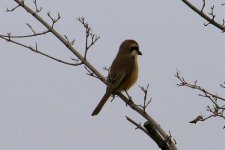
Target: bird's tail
101 103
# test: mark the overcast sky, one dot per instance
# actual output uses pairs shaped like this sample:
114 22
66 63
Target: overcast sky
48 105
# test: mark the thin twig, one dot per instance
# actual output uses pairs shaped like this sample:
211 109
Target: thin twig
93 37
203 6
14 8
68 41
146 103
31 28
54 20
37 51
90 73
36 6
25 36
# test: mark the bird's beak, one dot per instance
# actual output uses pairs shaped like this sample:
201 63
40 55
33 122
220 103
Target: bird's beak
139 52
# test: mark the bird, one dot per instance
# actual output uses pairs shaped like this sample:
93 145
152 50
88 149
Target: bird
123 72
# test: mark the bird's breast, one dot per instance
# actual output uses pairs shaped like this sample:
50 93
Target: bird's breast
132 77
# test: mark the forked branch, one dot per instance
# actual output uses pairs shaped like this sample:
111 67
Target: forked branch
217 108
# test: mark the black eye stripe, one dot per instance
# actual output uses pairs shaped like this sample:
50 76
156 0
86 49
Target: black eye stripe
134 48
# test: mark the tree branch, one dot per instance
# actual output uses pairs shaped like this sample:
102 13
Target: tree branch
37 51
94 38
206 17
153 134
146 103
138 126
154 124
218 107
93 70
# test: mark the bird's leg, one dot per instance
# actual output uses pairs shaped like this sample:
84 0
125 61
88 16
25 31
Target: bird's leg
113 97
129 97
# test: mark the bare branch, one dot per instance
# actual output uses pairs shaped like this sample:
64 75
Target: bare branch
90 73
151 132
68 41
212 13
195 86
138 126
146 103
202 118
156 127
94 38
106 68
25 36
206 17
203 6
61 38
36 6
164 144
223 86
14 8
31 28
37 51
217 110
54 20
223 24
198 118
128 95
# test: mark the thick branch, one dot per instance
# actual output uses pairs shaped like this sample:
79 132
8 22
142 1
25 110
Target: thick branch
154 124
152 133
163 144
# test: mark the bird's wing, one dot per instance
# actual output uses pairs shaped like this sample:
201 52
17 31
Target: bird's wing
121 72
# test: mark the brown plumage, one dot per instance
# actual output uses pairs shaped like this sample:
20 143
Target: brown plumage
123 73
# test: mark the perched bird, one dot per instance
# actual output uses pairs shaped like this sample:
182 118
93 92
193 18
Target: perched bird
123 72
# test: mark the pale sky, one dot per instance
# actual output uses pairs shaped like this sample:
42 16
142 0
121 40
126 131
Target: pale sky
48 105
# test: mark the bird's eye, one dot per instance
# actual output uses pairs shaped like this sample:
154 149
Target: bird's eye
134 48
